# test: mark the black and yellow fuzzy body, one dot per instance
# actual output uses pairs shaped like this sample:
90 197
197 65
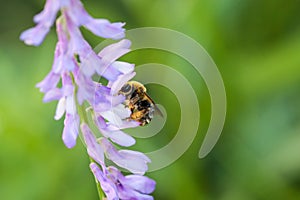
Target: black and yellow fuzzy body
142 107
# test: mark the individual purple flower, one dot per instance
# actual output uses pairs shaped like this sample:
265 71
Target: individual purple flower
113 132
117 186
74 8
133 161
113 183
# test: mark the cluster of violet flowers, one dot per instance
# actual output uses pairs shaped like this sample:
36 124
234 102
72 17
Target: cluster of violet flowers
70 82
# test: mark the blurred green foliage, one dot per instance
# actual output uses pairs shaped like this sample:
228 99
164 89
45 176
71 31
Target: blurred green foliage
255 44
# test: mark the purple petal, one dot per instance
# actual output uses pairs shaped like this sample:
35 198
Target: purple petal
104 103
112 52
99 121
64 56
112 117
133 161
57 62
100 27
123 67
94 149
48 15
67 88
68 62
115 115
107 186
132 186
100 94
107 72
78 42
77 13
118 136
128 124
35 35
105 29
62 34
128 193
90 61
53 94
49 82
70 131
121 111
86 87
115 100
116 50
142 184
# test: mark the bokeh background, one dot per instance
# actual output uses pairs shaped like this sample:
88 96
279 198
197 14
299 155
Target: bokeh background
256 46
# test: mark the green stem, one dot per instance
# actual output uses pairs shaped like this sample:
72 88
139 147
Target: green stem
84 118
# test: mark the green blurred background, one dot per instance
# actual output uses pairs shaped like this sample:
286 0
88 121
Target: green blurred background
256 46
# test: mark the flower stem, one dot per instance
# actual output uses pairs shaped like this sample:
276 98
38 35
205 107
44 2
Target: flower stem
83 117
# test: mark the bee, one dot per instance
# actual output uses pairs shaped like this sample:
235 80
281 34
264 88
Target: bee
141 105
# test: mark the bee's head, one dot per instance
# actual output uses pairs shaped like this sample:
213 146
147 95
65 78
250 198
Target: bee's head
132 86
127 89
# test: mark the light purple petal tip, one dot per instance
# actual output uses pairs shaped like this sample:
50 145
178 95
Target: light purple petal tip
116 50
123 67
104 28
112 52
35 35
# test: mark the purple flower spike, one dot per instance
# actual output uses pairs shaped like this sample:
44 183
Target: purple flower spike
104 28
71 83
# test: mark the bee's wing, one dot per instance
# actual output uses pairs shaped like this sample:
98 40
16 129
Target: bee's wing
156 109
